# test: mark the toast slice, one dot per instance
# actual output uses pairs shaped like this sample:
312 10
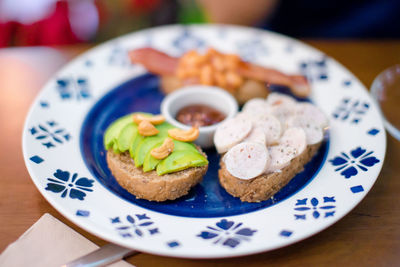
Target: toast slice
149 185
264 186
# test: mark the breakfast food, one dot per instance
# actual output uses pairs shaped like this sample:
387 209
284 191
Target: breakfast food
151 159
242 79
267 144
199 115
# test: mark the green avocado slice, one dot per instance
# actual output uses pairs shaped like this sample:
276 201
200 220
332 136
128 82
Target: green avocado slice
163 128
112 132
184 146
145 147
135 143
180 160
116 148
127 136
150 163
134 152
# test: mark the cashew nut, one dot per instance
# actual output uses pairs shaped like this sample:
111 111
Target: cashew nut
155 120
164 150
184 135
145 128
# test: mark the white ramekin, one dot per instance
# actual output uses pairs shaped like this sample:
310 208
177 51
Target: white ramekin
211 96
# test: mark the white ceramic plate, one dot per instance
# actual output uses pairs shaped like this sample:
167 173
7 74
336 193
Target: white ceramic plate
64 156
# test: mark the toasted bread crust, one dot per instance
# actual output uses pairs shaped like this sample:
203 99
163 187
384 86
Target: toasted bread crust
149 185
266 185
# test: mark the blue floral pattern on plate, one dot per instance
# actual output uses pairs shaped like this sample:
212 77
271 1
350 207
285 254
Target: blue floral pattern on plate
315 70
227 233
315 207
73 88
49 134
82 213
187 40
64 183
137 225
357 158
36 159
351 109
251 50
373 131
44 104
119 57
173 244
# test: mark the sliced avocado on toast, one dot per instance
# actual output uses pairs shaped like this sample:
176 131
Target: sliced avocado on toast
126 136
113 131
122 135
150 163
145 147
180 160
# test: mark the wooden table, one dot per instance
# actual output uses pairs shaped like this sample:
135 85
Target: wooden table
368 236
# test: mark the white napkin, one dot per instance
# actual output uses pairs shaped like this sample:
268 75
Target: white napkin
48 242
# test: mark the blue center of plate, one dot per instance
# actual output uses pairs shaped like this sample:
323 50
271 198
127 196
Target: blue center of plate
207 199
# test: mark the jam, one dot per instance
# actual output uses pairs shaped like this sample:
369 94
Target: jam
199 115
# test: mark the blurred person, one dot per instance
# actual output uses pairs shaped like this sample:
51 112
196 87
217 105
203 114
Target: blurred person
119 17
60 22
311 18
47 22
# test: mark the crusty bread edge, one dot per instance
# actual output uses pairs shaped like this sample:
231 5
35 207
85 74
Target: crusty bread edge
264 186
149 185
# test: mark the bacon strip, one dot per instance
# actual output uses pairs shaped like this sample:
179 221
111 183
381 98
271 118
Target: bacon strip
162 64
154 61
297 83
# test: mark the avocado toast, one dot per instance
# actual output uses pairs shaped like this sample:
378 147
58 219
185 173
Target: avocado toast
147 158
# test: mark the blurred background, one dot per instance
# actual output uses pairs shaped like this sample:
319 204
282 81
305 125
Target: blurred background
60 22
37 37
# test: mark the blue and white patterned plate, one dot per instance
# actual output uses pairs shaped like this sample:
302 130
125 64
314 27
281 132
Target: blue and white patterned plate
62 143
